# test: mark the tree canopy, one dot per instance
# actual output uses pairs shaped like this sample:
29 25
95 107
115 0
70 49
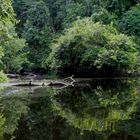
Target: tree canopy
29 30
130 22
11 46
89 46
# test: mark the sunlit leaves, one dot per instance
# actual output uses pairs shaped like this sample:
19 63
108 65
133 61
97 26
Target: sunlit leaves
92 45
11 45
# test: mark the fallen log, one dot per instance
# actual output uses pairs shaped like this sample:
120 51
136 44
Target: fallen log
69 81
61 83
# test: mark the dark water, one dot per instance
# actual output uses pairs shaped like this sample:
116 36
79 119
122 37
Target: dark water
91 110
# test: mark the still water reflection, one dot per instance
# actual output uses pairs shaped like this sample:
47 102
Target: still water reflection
91 110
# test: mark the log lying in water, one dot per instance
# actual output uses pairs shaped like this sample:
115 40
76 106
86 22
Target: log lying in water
62 83
29 84
42 84
52 84
66 82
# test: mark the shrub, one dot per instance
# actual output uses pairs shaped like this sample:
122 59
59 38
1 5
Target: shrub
89 47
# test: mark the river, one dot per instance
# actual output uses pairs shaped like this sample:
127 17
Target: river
92 109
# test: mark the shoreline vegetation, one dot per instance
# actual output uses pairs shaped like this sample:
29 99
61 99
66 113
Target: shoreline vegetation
82 38
3 77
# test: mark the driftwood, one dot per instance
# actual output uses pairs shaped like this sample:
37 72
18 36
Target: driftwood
69 81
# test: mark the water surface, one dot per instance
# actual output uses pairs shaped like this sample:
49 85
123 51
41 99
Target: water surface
94 109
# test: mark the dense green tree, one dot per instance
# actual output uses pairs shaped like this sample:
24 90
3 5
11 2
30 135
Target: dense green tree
40 22
35 28
130 22
21 7
87 46
104 16
13 55
119 6
6 17
73 10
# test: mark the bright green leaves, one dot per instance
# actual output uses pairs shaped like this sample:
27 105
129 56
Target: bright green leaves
41 21
6 10
6 20
3 77
13 55
94 46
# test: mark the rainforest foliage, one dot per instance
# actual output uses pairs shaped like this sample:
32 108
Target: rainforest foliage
89 46
12 54
77 36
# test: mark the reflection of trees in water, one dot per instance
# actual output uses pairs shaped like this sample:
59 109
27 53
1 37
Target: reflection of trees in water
102 110
12 108
2 120
83 112
91 113
44 123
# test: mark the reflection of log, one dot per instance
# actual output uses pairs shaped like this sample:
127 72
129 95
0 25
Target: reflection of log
26 85
52 84
29 84
57 84
13 75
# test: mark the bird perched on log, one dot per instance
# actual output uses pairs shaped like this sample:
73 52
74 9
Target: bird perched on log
30 82
31 76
